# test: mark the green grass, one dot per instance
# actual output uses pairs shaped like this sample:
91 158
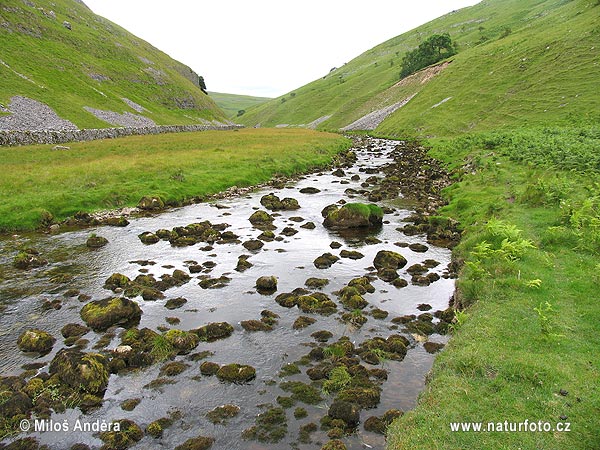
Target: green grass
545 70
114 173
530 327
58 63
231 104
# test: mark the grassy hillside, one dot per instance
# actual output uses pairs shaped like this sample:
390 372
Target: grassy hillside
231 104
95 64
515 63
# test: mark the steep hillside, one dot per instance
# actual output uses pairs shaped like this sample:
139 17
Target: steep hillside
59 53
518 60
232 104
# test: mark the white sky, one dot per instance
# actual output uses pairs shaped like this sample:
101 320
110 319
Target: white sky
268 47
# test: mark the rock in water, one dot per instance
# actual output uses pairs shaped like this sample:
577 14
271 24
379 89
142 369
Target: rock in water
354 215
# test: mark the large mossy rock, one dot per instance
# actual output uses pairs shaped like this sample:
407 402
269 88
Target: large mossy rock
148 203
197 443
236 373
386 259
102 314
354 215
36 341
183 341
274 203
83 371
214 331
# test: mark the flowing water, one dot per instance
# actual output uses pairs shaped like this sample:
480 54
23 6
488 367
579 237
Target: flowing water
23 294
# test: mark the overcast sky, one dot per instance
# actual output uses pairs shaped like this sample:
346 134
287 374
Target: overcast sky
268 47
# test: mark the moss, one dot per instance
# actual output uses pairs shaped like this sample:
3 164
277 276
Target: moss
182 341
116 280
129 434
174 303
266 284
173 368
335 444
197 443
220 414
316 283
316 303
102 314
305 431
289 369
236 373
386 259
130 404
287 300
303 322
28 259
351 254
300 413
209 368
366 397
96 241
286 402
36 341
302 392
83 371
354 215
271 426
156 428
214 331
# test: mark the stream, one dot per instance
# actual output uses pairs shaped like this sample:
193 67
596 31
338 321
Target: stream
189 396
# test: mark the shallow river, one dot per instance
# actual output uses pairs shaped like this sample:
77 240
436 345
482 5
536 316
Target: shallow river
22 295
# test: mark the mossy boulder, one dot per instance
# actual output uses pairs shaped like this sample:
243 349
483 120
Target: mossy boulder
214 331
129 433
174 303
365 397
287 300
266 284
274 203
253 245
116 281
29 259
256 325
243 263
81 371
221 414
262 220
96 241
236 373
386 259
325 261
102 314
197 443
316 283
209 368
182 341
151 203
148 238
354 215
316 302
271 426
334 444
303 322
347 411
35 340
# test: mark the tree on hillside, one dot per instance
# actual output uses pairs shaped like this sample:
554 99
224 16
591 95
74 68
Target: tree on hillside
434 49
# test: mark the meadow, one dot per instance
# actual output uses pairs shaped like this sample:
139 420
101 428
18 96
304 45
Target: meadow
524 345
107 174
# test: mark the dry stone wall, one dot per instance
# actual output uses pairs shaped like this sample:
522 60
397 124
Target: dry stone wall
11 138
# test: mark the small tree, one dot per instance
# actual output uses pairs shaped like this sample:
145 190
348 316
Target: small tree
432 50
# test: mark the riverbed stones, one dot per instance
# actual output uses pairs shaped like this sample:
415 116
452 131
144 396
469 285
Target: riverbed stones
29 258
81 371
221 414
214 331
310 190
236 373
303 322
182 341
102 314
243 264
197 443
386 259
262 220
253 245
266 285
95 241
35 340
325 261
148 238
316 283
274 203
347 411
255 325
129 433
175 303
354 215
73 330
351 254
209 368
151 203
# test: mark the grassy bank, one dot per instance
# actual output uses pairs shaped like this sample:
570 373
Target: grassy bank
114 173
526 345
